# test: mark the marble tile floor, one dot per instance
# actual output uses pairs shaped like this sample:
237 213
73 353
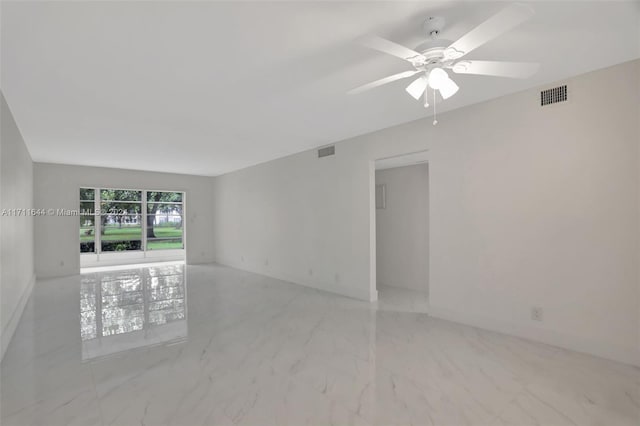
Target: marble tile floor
402 300
209 345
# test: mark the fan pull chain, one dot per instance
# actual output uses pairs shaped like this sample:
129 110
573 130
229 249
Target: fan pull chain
435 121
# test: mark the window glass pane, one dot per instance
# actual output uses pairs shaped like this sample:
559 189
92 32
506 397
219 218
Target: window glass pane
164 221
161 209
87 239
174 243
120 195
168 197
87 221
87 234
120 220
119 208
164 232
87 194
87 208
121 232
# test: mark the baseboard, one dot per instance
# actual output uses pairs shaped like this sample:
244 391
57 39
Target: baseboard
130 258
626 355
10 329
342 291
199 262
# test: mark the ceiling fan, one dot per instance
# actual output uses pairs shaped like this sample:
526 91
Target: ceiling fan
432 58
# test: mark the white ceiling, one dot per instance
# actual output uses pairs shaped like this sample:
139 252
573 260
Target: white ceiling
211 87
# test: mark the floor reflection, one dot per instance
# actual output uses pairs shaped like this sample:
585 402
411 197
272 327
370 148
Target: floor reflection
127 309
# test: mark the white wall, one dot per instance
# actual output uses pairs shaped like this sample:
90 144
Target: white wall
298 218
402 228
529 206
541 209
16 232
56 186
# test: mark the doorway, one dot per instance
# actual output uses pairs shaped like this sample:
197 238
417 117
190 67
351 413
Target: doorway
402 232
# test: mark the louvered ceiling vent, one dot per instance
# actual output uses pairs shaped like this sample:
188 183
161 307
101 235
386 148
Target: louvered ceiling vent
326 151
553 95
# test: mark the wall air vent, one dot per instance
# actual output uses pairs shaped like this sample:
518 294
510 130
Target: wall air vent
326 151
553 96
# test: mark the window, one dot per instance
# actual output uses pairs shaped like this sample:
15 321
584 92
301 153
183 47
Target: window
164 220
120 220
87 221
122 216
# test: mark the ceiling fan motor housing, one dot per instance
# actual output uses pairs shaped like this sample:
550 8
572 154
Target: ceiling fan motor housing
433 50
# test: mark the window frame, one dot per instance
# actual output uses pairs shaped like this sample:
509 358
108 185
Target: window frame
99 257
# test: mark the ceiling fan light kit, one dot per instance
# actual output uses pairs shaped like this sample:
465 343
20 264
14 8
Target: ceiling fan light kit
432 58
417 88
448 88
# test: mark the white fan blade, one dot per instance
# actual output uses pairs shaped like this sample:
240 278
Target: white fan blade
501 22
417 88
497 68
391 48
382 81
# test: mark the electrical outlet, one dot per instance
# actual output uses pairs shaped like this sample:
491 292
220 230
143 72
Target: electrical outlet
536 313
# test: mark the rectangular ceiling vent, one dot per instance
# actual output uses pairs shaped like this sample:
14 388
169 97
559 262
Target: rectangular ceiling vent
553 95
326 151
